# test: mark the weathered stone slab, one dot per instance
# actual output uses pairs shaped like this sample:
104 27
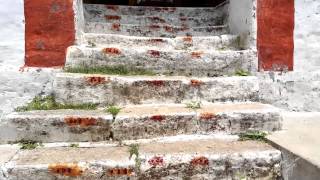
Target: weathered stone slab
205 159
6 154
138 122
163 12
196 43
154 30
77 88
174 62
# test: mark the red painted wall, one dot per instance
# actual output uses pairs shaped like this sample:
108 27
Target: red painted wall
275 34
49 31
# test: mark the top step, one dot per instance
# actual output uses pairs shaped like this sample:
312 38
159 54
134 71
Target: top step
100 9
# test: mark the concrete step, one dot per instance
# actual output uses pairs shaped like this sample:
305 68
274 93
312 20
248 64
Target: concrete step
156 20
191 159
196 43
154 30
139 122
107 89
164 61
163 12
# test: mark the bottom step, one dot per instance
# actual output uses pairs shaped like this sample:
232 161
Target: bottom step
181 159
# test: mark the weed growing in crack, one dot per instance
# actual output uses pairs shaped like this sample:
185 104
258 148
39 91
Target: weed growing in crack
253 135
49 103
75 145
194 105
242 72
29 144
114 111
134 150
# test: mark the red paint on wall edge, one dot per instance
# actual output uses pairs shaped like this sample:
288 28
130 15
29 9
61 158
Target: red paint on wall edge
49 30
275 34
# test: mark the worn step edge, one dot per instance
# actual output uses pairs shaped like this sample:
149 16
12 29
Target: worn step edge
207 43
138 122
200 158
122 90
149 20
153 30
157 11
173 62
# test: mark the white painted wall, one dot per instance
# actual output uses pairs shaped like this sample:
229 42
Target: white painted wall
243 21
299 90
16 88
307 35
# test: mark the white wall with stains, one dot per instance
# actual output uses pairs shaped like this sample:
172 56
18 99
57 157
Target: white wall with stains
17 87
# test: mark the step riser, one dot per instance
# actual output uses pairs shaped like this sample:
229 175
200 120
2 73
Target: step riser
152 20
121 90
167 12
197 63
255 165
99 128
153 30
179 43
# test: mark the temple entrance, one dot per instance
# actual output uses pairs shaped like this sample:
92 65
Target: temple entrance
171 3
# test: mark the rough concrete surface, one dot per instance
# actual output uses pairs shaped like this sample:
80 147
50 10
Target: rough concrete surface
121 90
204 159
138 122
300 144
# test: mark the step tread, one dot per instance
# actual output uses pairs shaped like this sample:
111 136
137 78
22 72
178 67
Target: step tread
119 155
156 109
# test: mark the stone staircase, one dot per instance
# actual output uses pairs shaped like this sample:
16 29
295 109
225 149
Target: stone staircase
193 59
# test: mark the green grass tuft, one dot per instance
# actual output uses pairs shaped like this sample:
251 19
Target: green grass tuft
74 145
253 135
113 110
134 150
242 72
29 145
49 103
115 70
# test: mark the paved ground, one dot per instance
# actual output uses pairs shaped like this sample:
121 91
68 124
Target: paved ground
300 135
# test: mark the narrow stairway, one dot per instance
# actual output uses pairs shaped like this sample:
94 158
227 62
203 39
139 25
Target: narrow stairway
181 80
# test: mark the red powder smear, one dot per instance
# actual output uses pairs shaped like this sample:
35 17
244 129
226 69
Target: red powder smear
115 27
120 172
158 118
154 53
71 170
156 161
96 80
200 161
197 54
196 83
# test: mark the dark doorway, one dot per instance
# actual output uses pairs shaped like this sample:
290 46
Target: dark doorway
172 3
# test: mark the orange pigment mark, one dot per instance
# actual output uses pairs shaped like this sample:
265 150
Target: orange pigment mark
115 27
196 54
112 51
200 161
96 80
168 29
72 170
112 17
120 172
207 116
195 83
158 118
80 121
